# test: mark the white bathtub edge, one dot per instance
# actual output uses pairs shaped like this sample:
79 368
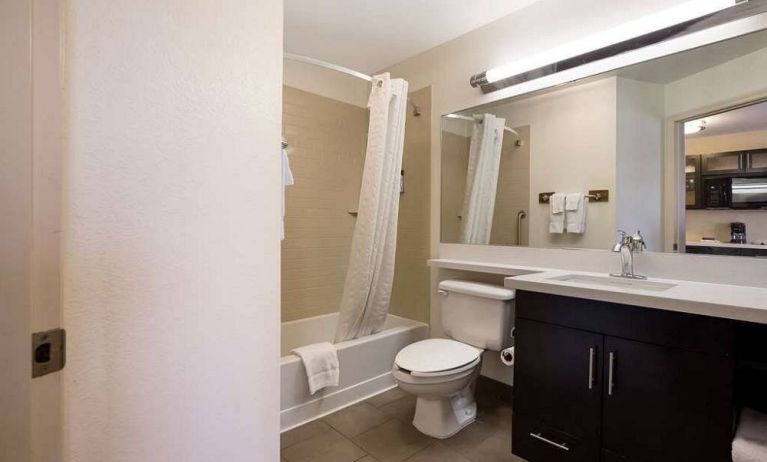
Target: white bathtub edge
298 415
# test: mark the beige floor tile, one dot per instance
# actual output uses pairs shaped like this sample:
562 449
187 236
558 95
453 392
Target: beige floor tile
402 409
387 397
498 414
393 441
368 459
437 452
496 448
470 437
303 433
356 419
328 446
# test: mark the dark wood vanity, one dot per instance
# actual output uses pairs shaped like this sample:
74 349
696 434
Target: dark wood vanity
598 381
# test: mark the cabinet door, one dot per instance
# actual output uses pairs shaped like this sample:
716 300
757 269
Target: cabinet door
757 161
723 163
557 393
666 404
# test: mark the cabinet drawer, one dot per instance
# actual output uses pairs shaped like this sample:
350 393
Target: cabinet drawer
536 442
666 328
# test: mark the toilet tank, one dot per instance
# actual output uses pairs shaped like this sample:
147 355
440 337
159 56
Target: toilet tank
476 313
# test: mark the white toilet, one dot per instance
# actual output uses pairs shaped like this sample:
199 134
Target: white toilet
442 372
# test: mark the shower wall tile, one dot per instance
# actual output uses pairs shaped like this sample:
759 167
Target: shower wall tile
327 141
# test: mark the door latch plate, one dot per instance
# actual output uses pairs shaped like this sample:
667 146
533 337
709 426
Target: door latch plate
48 352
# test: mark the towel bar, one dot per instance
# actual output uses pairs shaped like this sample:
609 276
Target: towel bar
594 195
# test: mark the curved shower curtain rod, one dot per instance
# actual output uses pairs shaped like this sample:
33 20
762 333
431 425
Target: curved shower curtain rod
472 119
344 70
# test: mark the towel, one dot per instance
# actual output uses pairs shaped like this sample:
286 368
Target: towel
750 443
575 213
557 213
321 364
287 180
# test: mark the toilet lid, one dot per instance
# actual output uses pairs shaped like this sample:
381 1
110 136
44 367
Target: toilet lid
436 355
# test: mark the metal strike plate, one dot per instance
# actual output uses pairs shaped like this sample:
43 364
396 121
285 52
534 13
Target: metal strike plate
48 352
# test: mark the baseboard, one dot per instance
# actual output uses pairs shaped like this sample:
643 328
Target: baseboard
327 404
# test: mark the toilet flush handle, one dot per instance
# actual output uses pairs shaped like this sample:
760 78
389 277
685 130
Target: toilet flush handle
442 292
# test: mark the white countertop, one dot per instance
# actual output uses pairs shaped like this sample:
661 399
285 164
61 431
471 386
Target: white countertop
726 244
742 303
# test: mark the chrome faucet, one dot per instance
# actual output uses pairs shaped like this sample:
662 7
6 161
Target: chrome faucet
626 245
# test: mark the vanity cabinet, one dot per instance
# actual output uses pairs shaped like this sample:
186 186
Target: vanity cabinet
601 381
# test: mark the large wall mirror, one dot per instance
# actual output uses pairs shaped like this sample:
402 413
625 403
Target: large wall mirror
675 147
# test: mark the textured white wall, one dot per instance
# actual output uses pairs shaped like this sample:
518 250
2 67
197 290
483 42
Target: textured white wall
171 238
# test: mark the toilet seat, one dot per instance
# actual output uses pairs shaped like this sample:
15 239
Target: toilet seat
437 357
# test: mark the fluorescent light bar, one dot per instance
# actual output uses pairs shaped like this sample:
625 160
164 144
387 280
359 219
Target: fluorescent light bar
692 9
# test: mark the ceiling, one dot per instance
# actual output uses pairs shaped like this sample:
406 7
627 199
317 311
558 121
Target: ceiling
368 35
745 119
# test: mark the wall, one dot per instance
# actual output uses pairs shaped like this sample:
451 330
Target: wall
513 193
171 231
639 158
716 223
410 291
325 82
455 162
15 228
572 149
327 140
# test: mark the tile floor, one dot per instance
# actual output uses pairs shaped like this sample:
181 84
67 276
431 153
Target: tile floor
381 430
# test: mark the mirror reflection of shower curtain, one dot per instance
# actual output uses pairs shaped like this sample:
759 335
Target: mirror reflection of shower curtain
482 179
368 285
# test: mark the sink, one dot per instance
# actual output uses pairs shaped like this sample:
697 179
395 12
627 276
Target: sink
614 282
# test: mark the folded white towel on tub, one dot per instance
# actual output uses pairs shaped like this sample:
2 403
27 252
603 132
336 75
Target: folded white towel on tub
750 444
321 364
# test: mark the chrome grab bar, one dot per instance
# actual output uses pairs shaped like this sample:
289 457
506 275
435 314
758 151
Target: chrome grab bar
561 446
520 216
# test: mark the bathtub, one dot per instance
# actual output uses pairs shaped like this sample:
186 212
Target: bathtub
365 365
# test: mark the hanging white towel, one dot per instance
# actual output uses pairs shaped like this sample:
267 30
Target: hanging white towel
750 443
287 180
321 364
557 213
575 213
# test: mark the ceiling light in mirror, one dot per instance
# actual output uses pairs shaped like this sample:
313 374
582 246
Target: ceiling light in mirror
694 126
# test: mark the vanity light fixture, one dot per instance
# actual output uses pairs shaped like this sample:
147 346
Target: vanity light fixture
694 126
635 34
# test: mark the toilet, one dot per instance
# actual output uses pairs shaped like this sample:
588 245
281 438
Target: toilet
442 372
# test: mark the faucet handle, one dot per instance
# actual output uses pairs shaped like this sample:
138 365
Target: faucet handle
637 242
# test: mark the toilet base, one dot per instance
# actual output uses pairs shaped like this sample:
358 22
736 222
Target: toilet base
444 417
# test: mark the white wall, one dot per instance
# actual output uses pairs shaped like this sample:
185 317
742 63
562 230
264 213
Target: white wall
572 149
171 238
639 159
326 82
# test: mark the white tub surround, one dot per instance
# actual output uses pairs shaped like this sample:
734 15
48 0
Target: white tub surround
365 365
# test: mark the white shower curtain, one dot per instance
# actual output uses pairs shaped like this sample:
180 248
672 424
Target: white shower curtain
367 290
482 179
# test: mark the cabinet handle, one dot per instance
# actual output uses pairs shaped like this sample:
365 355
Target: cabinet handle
561 446
611 371
592 354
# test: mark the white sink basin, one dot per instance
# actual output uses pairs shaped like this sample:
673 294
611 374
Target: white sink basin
614 282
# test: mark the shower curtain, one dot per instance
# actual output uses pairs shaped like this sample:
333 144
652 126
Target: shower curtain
367 289
482 179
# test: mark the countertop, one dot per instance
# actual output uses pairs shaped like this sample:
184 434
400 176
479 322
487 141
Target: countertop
742 303
727 245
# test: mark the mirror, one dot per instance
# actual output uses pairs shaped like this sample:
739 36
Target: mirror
569 166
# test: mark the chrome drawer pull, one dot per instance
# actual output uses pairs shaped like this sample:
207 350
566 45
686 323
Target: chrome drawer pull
610 372
561 446
591 367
